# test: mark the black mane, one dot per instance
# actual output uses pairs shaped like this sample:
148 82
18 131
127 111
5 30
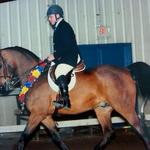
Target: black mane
25 51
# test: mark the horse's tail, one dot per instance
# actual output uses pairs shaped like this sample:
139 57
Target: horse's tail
140 72
138 94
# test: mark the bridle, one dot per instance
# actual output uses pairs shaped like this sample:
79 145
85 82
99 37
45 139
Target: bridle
10 77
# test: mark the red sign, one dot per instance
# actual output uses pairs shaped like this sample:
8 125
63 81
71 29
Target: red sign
103 30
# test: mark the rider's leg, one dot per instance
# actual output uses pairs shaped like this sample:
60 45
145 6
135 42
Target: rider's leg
63 86
61 79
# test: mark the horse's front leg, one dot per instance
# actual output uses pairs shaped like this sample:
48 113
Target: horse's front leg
51 127
25 136
33 122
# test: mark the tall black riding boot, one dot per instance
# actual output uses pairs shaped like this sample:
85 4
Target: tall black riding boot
64 99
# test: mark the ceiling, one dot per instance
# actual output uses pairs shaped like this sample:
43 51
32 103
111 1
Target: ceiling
2 1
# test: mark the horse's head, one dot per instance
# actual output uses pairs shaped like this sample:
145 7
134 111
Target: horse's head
15 65
6 75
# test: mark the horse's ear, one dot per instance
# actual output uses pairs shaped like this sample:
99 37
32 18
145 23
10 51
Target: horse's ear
8 57
5 54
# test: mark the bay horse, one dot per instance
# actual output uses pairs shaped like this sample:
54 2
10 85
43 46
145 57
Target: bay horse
103 89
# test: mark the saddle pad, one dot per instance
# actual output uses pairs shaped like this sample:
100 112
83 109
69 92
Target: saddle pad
56 88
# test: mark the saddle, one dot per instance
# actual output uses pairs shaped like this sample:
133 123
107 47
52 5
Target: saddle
71 76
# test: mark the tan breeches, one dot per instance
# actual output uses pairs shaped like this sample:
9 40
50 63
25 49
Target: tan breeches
62 69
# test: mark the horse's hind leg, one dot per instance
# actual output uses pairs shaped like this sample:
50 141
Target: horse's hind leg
104 117
51 128
33 122
134 121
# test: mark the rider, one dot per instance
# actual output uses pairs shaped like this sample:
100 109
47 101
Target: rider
66 52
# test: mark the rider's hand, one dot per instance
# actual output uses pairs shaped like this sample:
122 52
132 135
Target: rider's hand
50 57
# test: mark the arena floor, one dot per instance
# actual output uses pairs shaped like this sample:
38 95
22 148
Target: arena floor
78 139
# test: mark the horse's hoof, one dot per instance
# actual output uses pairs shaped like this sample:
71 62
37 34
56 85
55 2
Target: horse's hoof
63 146
97 147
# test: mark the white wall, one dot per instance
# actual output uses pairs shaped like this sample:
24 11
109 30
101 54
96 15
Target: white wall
24 23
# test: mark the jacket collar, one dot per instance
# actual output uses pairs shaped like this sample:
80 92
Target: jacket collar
58 22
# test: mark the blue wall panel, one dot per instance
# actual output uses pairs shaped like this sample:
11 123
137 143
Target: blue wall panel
119 54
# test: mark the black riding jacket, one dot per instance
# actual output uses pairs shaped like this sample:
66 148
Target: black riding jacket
65 45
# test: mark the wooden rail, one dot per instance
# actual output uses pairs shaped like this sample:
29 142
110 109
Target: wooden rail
70 123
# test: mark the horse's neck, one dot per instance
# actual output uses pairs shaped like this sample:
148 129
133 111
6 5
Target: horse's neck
21 64
24 68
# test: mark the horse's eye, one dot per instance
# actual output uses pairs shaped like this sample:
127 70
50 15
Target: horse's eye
0 66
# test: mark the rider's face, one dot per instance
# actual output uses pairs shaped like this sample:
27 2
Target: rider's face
52 18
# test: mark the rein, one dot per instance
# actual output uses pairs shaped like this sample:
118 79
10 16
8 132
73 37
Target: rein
29 70
17 79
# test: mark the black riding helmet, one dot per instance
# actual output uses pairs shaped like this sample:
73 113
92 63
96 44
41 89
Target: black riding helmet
55 9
